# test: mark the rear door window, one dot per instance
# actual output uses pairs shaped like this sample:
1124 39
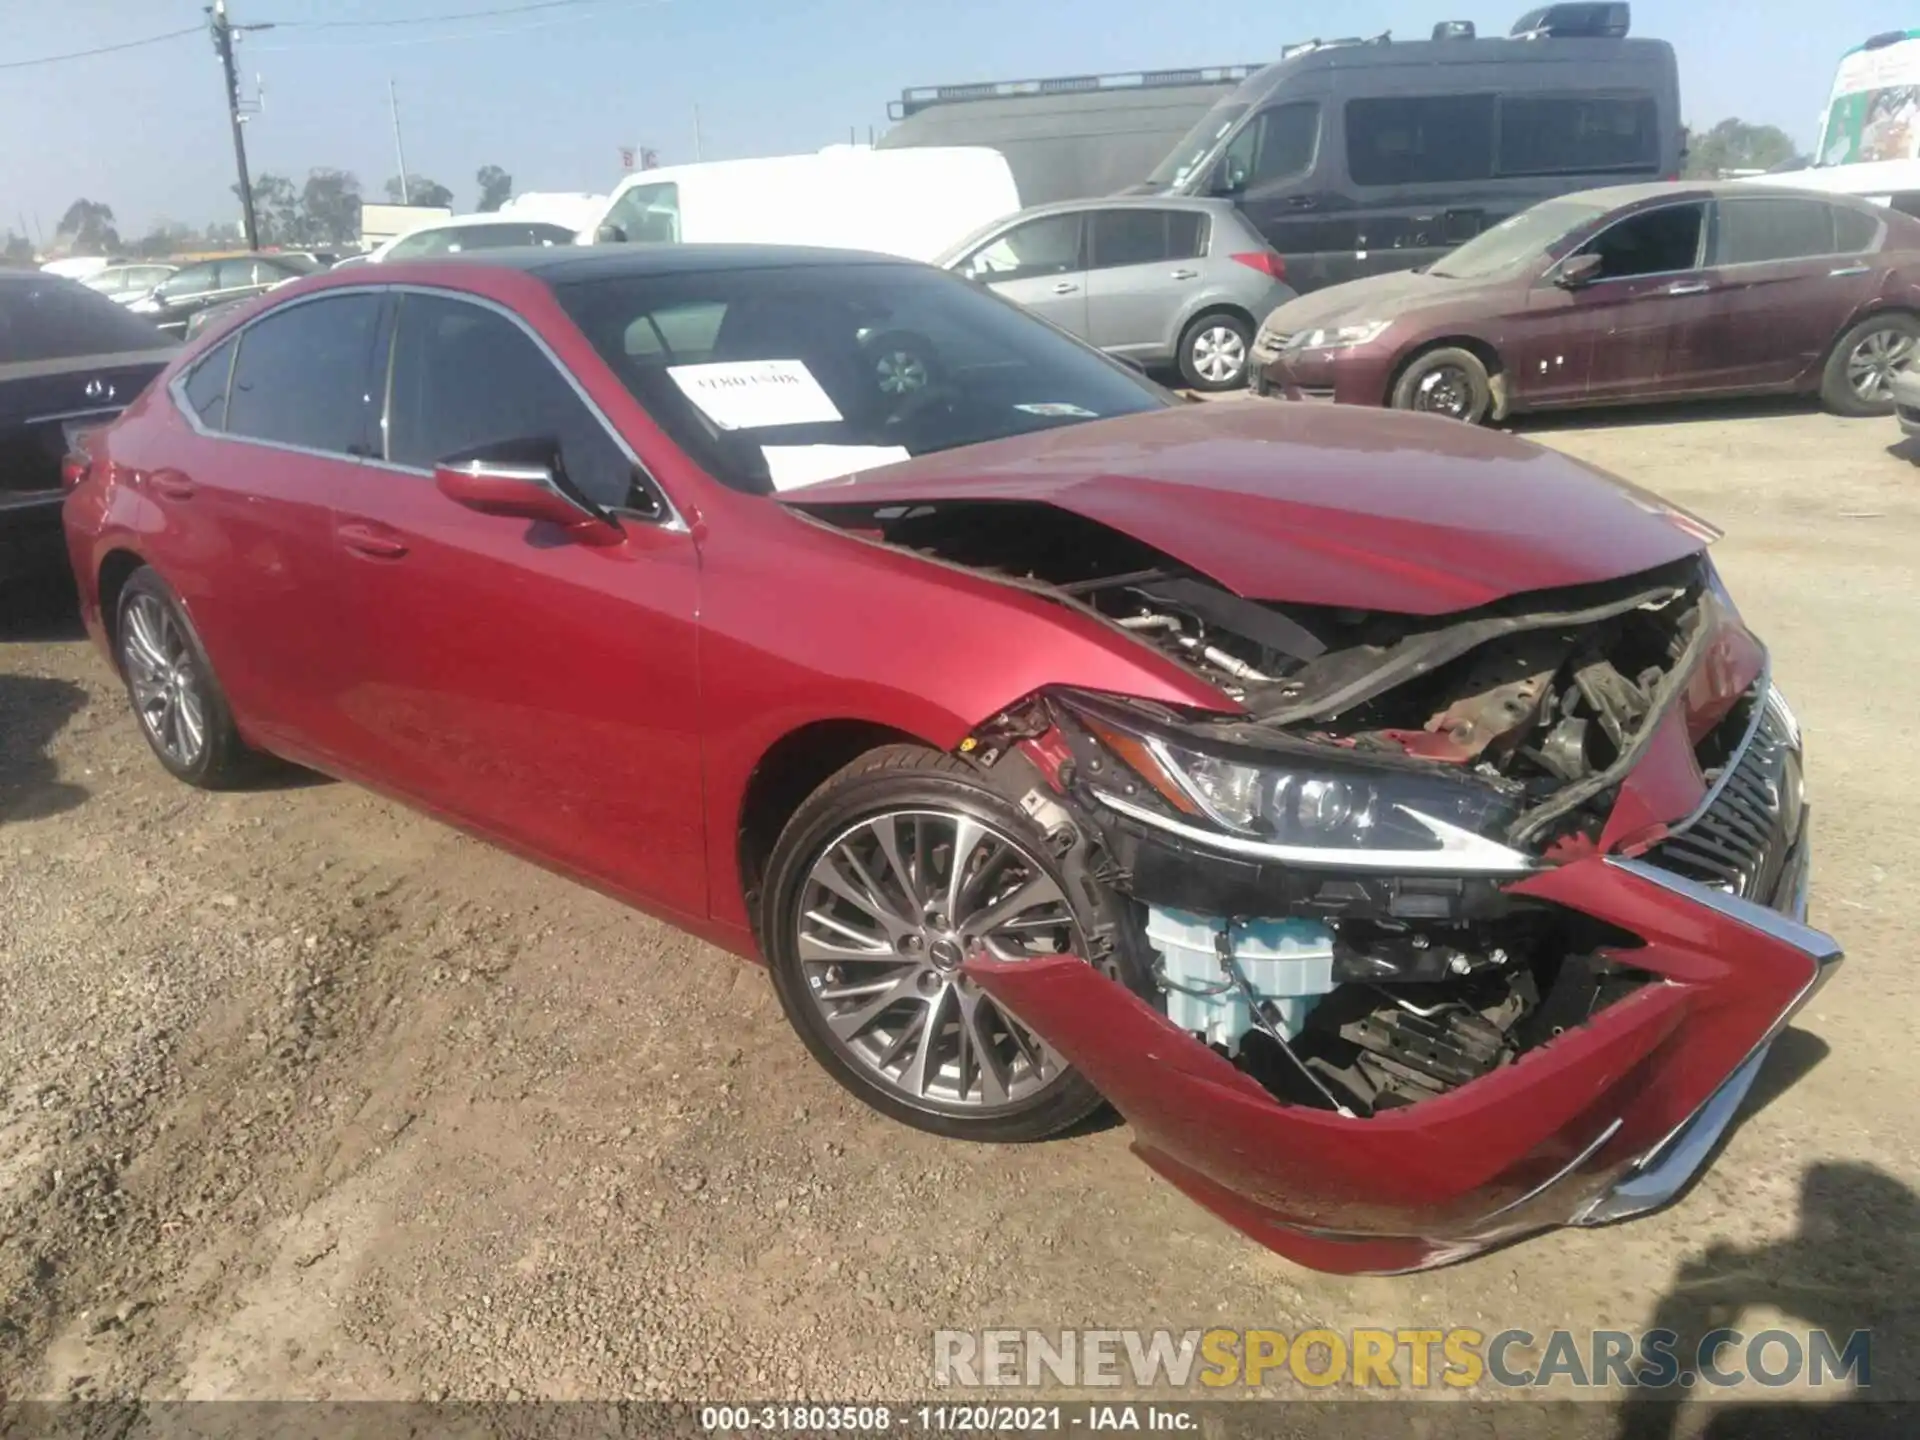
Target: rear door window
1578 134
464 376
1752 232
1144 237
1854 231
304 376
193 280
1420 139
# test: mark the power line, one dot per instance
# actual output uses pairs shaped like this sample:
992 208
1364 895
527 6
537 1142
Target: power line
431 19
606 8
100 50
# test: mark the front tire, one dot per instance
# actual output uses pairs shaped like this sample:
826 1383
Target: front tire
183 712
1214 353
1449 382
1858 379
884 880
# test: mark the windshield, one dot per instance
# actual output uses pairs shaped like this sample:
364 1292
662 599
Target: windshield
776 378
1527 236
1196 147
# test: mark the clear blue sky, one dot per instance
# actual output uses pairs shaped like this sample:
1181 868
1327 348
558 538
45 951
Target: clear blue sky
552 95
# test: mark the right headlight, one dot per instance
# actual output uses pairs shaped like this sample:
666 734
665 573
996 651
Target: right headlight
1338 337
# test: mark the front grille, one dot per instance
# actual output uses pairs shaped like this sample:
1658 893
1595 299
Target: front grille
1743 836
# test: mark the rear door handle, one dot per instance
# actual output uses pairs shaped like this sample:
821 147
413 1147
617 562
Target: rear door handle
1186 274
1065 287
1301 202
171 485
376 542
1689 287
1846 270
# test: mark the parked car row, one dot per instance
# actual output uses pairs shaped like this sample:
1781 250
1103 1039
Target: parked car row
1086 745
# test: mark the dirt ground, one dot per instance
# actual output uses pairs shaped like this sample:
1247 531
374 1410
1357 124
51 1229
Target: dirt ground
302 1095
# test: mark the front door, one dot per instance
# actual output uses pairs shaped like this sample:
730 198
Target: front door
536 688
1631 315
1040 264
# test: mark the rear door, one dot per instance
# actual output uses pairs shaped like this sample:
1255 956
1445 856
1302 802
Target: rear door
1039 263
281 412
1143 268
1790 272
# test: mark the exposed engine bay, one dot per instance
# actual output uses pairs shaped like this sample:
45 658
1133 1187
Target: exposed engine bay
1355 960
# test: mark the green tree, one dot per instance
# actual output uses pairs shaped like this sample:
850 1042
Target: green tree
276 210
419 191
17 250
330 207
495 186
1735 145
87 229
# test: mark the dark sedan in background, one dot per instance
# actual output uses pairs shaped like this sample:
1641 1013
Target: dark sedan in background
70 358
216 282
1634 293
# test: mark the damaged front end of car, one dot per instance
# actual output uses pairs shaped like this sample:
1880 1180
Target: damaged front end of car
1453 927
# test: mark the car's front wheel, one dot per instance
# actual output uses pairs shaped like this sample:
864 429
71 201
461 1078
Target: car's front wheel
1451 382
182 710
883 883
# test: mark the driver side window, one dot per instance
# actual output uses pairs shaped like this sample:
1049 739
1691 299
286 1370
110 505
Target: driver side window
1654 242
1277 144
1047 246
646 215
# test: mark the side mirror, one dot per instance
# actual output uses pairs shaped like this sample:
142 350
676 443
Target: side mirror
1578 270
522 479
609 235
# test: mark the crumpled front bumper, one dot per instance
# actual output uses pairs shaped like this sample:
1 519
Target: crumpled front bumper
1608 1120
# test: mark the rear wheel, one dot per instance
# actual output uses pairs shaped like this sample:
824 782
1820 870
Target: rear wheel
182 711
1451 382
1214 351
1858 379
891 875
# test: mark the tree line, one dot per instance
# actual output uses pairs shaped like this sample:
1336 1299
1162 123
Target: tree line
324 210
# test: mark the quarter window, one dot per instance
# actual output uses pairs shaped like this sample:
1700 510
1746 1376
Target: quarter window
1750 232
1420 139
206 387
1146 237
1047 246
1578 134
303 376
464 377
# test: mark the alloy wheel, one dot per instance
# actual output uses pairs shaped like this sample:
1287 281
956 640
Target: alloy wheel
1880 355
1219 354
900 372
165 680
1446 391
886 917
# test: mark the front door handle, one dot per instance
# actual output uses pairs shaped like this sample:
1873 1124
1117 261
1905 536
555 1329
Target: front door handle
170 485
1689 287
1846 270
374 541
1065 287
1302 202
1186 274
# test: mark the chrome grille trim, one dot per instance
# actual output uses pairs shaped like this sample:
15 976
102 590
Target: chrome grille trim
1744 832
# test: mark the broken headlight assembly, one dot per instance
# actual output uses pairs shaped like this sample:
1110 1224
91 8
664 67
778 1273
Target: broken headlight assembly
1294 807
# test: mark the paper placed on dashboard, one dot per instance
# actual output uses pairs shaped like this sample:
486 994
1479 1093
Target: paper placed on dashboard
791 466
755 394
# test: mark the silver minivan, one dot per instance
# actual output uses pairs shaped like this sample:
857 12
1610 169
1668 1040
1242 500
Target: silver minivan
1157 280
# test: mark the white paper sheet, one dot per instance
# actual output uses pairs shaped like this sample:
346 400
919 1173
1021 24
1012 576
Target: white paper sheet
792 466
1058 410
756 394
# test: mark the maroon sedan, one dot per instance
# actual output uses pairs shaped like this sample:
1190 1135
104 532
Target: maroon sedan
1396 822
1642 292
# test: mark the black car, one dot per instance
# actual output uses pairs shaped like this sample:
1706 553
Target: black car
207 283
70 359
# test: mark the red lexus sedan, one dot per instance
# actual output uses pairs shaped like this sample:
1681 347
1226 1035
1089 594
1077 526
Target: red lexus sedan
1394 821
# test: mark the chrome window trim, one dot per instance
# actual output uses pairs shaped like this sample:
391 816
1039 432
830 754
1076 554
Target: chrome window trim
75 414
671 520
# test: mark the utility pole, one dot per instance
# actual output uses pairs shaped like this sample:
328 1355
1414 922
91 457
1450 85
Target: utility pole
698 148
223 29
393 103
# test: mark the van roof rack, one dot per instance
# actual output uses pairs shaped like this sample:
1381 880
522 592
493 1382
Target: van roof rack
1307 47
921 97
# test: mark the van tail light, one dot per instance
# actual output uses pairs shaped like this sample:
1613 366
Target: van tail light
1265 261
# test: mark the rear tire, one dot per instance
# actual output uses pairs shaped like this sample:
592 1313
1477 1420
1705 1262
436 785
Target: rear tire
1858 375
890 827
1215 352
182 710
1449 382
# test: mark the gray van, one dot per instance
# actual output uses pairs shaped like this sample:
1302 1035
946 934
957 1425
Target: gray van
1356 157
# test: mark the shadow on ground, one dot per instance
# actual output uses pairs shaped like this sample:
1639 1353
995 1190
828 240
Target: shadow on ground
1675 413
34 709
40 610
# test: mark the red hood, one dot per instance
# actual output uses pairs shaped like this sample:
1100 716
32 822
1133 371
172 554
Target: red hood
1319 505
